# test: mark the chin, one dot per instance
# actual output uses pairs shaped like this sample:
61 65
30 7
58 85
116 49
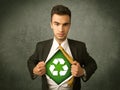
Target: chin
61 38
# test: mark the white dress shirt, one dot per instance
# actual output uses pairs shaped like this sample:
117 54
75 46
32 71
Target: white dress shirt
53 50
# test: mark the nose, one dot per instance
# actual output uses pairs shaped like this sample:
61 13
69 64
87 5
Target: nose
61 28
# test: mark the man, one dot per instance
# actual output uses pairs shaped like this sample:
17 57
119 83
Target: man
83 65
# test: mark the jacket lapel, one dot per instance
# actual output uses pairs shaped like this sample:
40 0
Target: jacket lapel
73 49
46 49
48 45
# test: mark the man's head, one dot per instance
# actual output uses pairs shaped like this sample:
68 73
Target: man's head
60 22
60 10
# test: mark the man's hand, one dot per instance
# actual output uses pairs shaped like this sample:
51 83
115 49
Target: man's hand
40 69
76 69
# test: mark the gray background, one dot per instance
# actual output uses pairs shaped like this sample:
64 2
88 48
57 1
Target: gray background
25 22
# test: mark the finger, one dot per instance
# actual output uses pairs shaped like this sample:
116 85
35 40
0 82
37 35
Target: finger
74 73
74 62
40 64
42 69
74 70
41 72
73 66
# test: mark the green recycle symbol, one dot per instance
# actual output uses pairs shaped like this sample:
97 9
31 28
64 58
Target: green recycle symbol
61 72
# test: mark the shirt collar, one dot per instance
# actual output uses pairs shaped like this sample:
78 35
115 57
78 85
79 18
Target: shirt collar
64 44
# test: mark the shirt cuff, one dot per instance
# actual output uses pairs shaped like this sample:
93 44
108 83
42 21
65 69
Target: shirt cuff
84 76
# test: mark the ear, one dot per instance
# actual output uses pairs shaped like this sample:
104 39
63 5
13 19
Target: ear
51 25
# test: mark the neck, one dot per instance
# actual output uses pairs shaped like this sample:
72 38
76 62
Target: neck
60 41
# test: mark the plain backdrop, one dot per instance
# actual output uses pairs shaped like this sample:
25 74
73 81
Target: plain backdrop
23 23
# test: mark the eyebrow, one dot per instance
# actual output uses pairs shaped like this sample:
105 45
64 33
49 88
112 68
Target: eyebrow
55 22
59 23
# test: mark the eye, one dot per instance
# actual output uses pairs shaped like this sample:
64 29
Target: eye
66 24
57 24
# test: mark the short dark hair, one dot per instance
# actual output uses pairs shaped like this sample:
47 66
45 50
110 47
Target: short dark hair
60 10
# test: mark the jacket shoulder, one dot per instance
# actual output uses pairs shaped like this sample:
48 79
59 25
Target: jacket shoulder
76 42
45 42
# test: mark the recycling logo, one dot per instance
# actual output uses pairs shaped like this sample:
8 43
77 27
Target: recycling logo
58 68
62 72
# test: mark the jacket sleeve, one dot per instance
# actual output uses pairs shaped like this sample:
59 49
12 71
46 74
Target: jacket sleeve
89 63
32 61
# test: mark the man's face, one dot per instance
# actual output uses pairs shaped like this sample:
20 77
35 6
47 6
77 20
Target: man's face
60 25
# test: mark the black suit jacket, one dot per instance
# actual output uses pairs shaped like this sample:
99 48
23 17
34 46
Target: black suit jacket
79 53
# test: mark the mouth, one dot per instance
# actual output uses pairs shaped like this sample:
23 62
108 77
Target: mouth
60 34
